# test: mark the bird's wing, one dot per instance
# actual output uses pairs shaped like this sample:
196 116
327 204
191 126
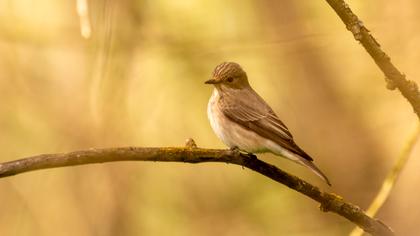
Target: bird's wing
258 117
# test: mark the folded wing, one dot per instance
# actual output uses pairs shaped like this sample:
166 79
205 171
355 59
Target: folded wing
258 117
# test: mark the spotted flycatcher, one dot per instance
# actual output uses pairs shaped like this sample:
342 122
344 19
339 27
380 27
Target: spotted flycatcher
243 120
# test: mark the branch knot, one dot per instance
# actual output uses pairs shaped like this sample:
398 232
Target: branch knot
190 143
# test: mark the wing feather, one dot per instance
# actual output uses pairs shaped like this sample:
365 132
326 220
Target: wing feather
263 121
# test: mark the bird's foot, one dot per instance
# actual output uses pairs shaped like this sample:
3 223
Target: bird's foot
237 150
251 154
234 149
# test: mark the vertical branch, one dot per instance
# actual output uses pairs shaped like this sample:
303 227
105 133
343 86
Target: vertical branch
390 180
394 78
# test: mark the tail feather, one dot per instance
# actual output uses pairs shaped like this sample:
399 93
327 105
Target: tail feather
314 169
303 159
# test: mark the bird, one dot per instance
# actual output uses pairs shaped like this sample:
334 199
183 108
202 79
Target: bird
242 120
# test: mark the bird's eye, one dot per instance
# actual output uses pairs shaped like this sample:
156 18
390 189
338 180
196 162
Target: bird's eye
229 79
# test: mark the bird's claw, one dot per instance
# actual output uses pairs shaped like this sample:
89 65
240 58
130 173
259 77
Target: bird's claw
240 152
234 149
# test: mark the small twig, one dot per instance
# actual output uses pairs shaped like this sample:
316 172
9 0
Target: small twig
190 143
329 201
394 78
390 180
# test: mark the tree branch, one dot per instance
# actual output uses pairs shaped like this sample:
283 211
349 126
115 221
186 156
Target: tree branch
191 154
390 180
394 78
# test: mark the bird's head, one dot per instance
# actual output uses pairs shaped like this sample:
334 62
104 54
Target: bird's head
229 75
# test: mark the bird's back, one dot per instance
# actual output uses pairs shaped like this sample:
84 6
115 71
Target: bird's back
248 109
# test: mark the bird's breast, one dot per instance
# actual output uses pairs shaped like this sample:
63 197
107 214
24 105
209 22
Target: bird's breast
231 133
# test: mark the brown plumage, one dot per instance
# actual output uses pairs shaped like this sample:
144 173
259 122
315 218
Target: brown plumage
242 119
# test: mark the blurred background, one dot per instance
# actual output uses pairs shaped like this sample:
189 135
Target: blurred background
135 78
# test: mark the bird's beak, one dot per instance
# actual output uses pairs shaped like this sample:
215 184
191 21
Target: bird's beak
212 81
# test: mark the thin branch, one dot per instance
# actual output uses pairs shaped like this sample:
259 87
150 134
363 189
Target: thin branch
190 154
394 78
390 180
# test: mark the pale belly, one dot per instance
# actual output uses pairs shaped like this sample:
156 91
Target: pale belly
232 134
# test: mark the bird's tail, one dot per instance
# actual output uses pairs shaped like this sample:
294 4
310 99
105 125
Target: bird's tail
303 159
313 168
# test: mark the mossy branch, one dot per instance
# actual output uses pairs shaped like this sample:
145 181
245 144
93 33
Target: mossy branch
393 77
192 154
